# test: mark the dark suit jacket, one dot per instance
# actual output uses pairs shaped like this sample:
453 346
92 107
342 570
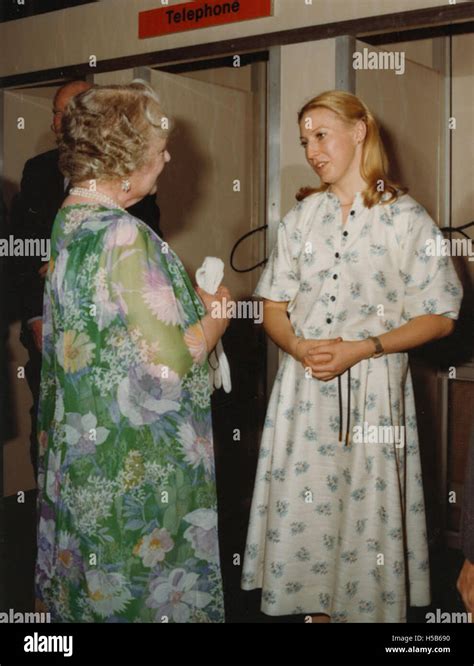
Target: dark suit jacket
468 506
33 212
5 408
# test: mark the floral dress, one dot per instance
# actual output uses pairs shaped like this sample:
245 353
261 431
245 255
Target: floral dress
127 500
337 522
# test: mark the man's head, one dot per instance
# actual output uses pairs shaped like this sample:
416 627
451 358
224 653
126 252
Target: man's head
61 99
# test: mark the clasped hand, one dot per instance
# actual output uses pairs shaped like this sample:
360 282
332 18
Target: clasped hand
221 298
327 358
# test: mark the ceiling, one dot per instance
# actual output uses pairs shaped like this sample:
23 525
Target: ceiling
11 10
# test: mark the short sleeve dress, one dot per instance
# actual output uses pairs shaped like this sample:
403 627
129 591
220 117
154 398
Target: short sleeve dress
337 524
127 499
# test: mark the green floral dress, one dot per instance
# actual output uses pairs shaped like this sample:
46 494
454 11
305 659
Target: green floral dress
127 501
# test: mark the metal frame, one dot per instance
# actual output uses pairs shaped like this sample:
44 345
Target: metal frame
259 198
273 176
345 72
142 73
442 62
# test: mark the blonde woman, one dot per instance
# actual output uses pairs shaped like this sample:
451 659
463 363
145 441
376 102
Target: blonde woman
337 528
128 523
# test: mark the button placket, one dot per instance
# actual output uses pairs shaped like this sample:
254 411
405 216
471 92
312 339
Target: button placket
330 314
335 276
346 234
338 257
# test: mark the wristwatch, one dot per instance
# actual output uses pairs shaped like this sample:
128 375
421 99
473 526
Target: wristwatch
379 350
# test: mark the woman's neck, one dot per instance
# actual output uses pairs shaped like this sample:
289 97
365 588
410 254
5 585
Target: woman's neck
346 189
111 189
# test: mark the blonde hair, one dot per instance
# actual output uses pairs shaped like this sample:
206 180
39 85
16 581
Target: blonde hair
107 131
374 162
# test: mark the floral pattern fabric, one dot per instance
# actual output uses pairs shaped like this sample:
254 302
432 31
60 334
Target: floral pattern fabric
334 528
127 500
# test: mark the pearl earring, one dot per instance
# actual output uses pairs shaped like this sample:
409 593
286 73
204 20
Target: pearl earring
126 185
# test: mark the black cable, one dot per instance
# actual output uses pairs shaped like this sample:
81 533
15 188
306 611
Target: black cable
348 405
340 406
236 245
459 230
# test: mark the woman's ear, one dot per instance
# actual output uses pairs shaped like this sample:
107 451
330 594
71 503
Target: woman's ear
360 131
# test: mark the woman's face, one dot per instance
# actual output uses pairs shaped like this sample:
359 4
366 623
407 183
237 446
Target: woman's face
148 174
331 145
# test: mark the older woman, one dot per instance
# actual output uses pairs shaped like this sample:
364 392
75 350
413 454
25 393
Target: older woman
127 498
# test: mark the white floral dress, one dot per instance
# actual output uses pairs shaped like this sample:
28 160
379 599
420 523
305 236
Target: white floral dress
338 525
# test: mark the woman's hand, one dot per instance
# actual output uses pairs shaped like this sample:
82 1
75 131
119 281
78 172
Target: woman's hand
302 348
36 328
217 320
465 585
209 300
43 270
330 359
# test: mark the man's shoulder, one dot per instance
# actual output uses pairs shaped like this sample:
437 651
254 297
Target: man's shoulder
148 211
148 202
43 160
41 176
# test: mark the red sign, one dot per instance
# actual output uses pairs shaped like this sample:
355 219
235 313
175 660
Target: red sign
192 15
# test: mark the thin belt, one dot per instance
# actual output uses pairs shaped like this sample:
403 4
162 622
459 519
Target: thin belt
339 390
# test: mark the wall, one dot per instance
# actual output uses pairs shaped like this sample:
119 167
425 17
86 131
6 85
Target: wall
33 109
299 83
420 51
239 78
109 29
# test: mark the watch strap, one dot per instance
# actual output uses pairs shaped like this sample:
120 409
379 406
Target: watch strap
379 350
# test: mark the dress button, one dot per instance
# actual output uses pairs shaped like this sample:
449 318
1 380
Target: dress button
345 233
333 298
328 320
337 255
334 276
352 212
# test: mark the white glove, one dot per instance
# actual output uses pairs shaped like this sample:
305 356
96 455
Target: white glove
209 277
